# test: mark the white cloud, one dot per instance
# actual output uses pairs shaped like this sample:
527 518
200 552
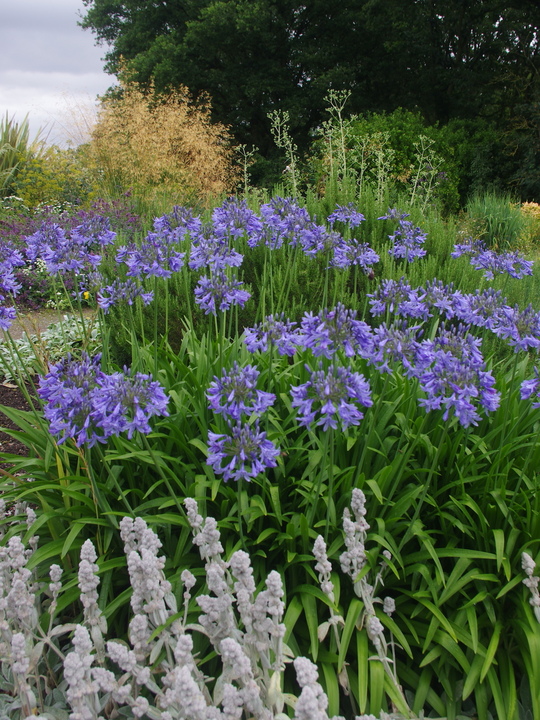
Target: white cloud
49 64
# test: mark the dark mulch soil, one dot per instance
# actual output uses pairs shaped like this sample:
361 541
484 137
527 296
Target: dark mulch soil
11 397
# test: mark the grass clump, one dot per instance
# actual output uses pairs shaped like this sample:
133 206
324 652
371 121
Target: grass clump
160 146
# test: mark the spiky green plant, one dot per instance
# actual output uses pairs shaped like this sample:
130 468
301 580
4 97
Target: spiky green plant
16 147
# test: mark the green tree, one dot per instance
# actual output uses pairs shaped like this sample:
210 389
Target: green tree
459 59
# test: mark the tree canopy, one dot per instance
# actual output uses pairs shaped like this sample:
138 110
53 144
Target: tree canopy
461 58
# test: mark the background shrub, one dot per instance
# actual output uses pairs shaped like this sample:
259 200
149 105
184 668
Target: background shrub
160 145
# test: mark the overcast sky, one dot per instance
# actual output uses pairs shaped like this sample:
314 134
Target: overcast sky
49 66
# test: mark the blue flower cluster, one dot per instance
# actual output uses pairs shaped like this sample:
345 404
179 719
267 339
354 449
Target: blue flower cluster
84 403
244 451
482 258
408 241
334 395
10 258
78 251
273 332
235 394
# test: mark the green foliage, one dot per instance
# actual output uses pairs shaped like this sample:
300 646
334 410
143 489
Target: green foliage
394 152
56 177
497 220
16 149
454 507
477 64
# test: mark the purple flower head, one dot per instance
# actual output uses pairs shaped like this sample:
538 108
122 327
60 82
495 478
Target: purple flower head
7 316
399 343
283 221
49 234
156 257
520 327
96 229
124 402
347 214
332 397
316 238
456 385
336 329
408 241
468 247
176 224
243 454
435 295
10 257
354 252
458 342
276 332
122 291
397 296
481 258
394 214
235 394
218 292
234 218
210 250
83 403
483 309
532 387
61 253
67 390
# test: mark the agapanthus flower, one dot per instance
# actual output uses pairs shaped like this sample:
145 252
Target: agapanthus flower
482 258
211 250
219 292
243 454
67 392
283 221
61 253
235 393
176 224
7 316
353 252
234 218
273 332
49 234
96 229
156 257
331 397
394 214
125 403
84 403
122 291
459 342
408 241
436 295
399 343
348 214
397 296
333 330
10 258
483 309
316 238
521 328
530 388
456 385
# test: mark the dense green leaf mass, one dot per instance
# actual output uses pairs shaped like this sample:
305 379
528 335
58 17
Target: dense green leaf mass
457 59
